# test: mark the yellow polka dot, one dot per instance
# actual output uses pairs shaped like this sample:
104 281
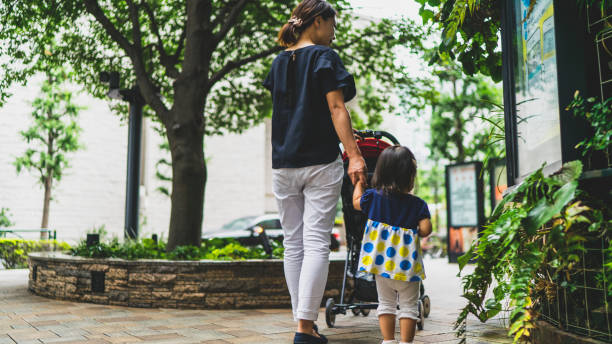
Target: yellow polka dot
373 235
374 270
400 277
404 251
380 247
390 265
395 239
417 268
367 260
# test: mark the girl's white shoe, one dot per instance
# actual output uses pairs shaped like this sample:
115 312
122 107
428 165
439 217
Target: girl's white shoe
389 342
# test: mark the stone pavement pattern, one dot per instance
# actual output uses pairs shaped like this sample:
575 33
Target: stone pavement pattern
26 318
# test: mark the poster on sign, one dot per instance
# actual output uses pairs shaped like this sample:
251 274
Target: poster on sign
537 101
465 206
463 196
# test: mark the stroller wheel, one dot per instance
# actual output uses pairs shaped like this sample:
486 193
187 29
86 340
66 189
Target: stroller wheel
421 317
355 311
426 306
365 312
330 316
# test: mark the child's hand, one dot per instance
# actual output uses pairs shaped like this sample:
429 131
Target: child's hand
357 193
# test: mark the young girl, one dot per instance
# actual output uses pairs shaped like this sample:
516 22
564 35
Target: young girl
390 249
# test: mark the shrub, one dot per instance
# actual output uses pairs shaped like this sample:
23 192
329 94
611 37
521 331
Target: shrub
217 249
14 252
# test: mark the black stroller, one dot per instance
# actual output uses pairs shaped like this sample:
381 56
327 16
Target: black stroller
363 297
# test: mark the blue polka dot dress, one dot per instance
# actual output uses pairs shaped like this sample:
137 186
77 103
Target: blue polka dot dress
390 246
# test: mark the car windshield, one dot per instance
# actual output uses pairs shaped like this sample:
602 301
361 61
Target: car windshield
240 223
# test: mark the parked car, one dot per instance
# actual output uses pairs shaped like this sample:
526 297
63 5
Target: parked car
246 230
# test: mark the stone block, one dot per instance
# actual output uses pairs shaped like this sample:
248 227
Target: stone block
188 297
100 299
139 303
222 302
95 267
186 288
190 278
161 295
118 296
148 278
140 294
163 304
116 285
71 288
114 273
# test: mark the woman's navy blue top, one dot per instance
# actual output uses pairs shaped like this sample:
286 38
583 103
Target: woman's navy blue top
302 130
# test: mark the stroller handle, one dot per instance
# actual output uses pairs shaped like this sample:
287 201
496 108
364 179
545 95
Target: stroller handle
377 134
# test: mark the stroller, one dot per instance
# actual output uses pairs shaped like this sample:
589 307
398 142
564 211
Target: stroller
363 297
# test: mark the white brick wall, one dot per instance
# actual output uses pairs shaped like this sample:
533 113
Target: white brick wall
92 192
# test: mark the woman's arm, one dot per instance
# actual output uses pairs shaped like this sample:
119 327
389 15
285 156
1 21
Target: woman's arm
357 193
424 227
342 124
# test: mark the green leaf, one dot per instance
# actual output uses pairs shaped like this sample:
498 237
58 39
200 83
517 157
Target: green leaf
464 259
544 212
427 15
570 171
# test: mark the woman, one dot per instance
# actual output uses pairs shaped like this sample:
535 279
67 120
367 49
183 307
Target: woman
309 86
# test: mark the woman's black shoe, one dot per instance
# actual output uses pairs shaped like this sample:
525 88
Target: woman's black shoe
316 329
303 338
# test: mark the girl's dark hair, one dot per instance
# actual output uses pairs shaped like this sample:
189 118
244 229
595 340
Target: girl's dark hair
301 18
395 170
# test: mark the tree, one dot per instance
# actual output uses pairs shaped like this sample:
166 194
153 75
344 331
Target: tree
470 31
460 108
53 134
197 63
5 220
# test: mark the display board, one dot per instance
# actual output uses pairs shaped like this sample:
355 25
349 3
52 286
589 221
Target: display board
463 195
536 87
464 207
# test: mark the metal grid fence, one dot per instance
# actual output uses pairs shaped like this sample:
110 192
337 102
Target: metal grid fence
582 306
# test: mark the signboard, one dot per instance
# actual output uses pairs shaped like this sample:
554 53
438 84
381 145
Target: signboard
536 86
464 206
463 195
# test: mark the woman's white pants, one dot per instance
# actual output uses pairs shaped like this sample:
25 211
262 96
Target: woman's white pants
307 199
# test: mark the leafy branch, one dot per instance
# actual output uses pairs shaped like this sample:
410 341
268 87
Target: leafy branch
531 245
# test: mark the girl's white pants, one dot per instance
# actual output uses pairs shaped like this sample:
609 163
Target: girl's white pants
307 199
389 291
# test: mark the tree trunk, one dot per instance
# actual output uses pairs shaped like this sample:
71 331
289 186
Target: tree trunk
458 137
188 179
45 216
48 179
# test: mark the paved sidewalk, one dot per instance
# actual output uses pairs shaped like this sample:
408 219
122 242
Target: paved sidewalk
26 318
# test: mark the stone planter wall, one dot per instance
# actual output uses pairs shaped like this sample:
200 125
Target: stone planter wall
545 333
167 284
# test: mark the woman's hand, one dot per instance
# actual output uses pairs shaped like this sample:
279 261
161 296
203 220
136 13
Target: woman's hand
357 170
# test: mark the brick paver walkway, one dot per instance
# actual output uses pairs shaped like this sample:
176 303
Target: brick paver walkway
26 318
